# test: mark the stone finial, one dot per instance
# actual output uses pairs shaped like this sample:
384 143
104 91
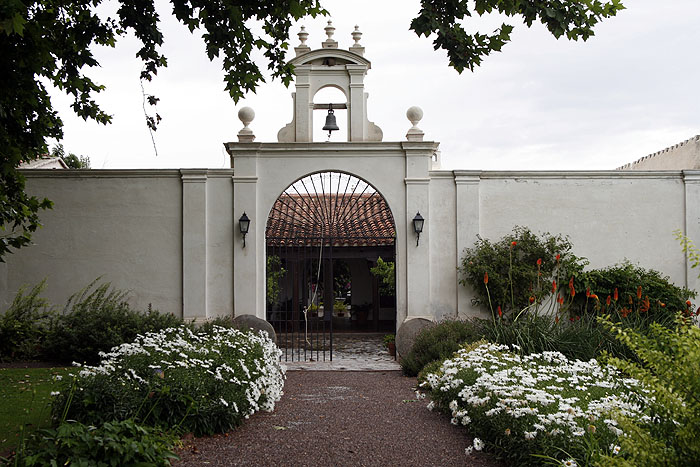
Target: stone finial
302 48
357 47
303 35
356 35
330 43
246 115
414 115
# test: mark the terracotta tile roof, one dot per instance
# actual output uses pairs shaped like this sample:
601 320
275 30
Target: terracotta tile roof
341 219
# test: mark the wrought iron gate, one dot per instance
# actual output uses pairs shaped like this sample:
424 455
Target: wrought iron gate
314 218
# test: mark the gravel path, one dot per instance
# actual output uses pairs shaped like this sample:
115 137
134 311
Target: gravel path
338 418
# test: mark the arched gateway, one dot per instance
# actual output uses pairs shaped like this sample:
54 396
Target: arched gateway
343 205
327 237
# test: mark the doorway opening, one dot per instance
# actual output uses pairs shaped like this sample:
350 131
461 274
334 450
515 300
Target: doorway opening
330 241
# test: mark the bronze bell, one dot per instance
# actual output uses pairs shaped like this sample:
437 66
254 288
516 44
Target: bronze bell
330 125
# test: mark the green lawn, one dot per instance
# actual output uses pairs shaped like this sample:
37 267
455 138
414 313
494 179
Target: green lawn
24 400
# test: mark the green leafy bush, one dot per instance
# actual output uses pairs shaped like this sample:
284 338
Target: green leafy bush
580 339
24 325
541 299
518 270
110 444
670 368
96 319
629 293
385 271
275 273
437 343
534 408
389 339
175 378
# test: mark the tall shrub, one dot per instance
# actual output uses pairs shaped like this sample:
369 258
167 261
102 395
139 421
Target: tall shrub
438 343
518 271
24 325
96 319
629 293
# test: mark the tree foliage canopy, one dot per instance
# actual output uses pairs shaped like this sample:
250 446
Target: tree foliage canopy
71 160
574 19
50 42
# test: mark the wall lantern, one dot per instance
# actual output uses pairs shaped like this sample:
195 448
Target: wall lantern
418 222
244 224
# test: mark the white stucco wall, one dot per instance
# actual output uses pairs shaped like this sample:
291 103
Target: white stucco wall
171 236
398 171
127 226
609 216
443 245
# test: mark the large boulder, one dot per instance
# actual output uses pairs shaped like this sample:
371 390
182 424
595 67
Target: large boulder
256 324
408 331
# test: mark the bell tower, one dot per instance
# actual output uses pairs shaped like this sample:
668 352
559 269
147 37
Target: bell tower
329 66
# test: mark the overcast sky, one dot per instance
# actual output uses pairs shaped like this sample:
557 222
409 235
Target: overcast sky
541 103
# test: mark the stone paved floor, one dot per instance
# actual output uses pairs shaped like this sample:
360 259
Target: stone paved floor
352 352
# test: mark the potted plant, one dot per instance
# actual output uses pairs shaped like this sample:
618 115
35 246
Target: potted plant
313 308
339 307
390 344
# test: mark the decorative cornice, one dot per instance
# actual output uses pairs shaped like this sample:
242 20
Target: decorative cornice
691 176
101 173
416 181
429 147
467 178
193 175
583 174
441 174
220 173
331 149
245 179
351 57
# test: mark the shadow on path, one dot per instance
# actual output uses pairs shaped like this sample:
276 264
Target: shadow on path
329 418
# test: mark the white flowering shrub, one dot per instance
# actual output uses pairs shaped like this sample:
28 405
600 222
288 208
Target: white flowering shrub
175 378
533 408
